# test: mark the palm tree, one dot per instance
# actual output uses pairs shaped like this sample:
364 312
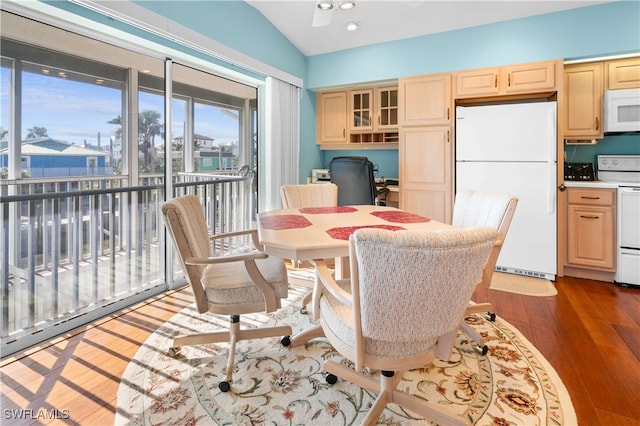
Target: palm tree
3 134
37 132
149 127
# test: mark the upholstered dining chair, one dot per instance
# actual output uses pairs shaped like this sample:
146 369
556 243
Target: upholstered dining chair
229 285
478 208
401 308
311 195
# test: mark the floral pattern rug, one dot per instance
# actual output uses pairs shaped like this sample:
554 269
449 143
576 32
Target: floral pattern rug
275 385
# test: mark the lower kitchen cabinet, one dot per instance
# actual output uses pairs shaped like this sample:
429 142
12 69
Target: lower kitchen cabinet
591 228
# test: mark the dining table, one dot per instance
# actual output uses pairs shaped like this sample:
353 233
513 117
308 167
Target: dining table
315 233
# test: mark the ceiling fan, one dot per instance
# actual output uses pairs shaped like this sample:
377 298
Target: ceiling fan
323 13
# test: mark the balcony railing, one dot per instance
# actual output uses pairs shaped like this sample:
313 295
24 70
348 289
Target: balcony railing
79 245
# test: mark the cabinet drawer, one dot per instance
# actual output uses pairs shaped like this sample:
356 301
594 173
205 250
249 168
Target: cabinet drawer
595 197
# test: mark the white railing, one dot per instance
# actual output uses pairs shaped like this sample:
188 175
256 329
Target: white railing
79 245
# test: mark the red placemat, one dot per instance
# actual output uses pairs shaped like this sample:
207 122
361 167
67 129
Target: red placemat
400 217
345 232
325 210
285 221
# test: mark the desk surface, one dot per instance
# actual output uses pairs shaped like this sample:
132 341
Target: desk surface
323 232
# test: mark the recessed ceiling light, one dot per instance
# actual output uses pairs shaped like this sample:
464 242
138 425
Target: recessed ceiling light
352 25
347 5
325 5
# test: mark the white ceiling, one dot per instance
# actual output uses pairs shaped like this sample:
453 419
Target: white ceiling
385 20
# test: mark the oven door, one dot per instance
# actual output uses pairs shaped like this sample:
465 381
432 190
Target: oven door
628 268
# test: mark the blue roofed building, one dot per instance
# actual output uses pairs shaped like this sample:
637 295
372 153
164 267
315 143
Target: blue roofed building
48 157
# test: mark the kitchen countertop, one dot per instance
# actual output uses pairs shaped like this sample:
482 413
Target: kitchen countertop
590 184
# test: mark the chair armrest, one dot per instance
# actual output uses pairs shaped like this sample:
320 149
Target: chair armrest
252 232
232 234
224 259
330 285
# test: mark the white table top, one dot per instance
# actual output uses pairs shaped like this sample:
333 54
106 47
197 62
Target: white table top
323 232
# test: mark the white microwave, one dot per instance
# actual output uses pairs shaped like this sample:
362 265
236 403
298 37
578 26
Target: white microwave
622 110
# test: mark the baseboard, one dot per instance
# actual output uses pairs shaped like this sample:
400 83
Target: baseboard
588 274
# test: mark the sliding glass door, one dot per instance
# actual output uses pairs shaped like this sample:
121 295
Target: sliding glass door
87 156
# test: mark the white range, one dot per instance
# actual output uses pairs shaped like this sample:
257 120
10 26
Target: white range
624 170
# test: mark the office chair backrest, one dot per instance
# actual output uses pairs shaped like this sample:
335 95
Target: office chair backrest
355 180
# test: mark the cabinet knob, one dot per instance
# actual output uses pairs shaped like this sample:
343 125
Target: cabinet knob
562 188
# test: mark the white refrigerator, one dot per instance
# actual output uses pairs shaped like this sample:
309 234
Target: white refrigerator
511 149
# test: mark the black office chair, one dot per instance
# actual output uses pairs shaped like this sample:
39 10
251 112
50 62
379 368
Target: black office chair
355 181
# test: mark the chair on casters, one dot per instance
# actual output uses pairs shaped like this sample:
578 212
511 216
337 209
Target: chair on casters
312 195
401 308
476 208
354 177
229 285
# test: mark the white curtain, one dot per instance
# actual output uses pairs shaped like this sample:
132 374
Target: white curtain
282 144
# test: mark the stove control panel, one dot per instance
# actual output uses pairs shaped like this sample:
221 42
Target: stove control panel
623 163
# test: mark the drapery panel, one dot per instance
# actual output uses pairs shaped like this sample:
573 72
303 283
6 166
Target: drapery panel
282 144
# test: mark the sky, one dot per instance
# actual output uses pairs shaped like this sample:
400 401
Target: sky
77 112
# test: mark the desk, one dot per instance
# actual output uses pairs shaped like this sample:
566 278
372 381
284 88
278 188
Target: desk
323 232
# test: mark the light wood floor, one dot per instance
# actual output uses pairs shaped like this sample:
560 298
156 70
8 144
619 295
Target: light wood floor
589 332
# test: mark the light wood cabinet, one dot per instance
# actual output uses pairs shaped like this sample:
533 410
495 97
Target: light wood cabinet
622 73
425 100
426 171
386 107
535 77
331 117
361 110
591 228
426 146
373 109
584 94
347 119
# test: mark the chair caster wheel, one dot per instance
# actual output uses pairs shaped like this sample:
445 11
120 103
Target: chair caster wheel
174 352
224 386
490 316
285 341
332 379
482 350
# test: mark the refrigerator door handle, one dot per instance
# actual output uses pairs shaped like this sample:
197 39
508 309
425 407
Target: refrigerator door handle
551 162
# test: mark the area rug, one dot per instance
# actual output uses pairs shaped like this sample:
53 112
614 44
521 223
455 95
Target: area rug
275 385
528 286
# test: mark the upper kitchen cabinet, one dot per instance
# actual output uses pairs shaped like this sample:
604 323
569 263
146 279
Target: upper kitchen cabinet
622 74
331 118
425 100
373 109
584 101
386 104
361 118
535 77
361 110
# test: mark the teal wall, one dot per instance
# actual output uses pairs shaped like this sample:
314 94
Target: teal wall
593 31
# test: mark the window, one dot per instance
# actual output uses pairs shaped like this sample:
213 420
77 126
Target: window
84 212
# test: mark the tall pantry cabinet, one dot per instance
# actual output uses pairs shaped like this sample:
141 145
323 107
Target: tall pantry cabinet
425 150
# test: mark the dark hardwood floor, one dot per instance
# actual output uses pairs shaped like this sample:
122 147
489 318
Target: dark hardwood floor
589 332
